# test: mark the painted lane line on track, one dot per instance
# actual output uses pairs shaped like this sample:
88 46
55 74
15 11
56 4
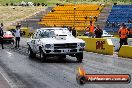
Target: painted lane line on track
9 82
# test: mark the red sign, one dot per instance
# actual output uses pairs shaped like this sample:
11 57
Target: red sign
100 45
82 78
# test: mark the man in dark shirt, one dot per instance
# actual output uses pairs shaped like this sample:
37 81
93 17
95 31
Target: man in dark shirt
74 32
1 35
98 32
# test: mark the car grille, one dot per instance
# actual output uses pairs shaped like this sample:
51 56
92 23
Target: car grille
65 46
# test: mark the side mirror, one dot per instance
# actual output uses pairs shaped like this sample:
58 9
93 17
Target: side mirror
31 37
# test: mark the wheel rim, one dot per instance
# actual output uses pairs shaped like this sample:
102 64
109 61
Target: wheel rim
41 55
29 52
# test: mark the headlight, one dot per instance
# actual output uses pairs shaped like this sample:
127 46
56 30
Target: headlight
47 46
82 44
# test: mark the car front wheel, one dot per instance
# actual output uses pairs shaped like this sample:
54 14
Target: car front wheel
31 53
42 56
79 57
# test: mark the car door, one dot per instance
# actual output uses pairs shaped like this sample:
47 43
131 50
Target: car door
33 42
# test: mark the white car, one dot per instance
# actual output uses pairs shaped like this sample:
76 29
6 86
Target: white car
106 34
55 42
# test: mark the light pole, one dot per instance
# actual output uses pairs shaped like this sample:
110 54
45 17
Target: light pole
74 16
74 11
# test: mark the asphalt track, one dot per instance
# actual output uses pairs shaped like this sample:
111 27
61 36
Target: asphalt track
22 72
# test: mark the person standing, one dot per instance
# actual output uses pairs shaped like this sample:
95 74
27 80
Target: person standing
123 34
1 35
91 29
17 35
74 32
98 32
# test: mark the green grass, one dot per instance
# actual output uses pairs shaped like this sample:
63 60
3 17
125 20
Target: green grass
52 2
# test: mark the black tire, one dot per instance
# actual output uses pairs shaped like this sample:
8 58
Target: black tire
82 81
31 54
13 42
79 57
42 56
62 56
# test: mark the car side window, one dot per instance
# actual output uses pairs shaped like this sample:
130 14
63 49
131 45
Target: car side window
44 34
34 35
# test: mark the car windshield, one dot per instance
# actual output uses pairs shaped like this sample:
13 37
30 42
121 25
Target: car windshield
62 32
53 33
7 33
104 32
46 33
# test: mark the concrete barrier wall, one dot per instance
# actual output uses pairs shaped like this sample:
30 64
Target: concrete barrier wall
125 51
98 45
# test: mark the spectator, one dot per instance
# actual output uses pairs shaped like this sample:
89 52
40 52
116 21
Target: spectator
7 4
123 34
98 32
54 25
24 32
38 4
130 32
74 32
130 21
57 4
17 35
70 29
12 4
1 35
95 18
35 4
113 24
43 4
91 29
90 18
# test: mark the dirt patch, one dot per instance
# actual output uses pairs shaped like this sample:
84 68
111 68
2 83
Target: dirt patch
9 15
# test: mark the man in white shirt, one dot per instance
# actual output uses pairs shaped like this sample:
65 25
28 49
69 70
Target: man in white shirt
17 36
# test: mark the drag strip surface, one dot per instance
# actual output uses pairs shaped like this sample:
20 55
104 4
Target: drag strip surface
55 73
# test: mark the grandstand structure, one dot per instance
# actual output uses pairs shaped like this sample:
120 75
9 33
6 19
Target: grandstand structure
118 15
71 15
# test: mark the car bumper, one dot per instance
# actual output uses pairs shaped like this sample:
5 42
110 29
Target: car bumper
65 52
8 40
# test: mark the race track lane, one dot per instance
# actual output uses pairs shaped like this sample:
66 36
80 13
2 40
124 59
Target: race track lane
31 73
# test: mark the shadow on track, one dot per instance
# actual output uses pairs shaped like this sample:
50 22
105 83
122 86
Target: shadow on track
54 60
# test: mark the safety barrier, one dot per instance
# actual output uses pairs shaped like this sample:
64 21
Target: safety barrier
125 51
27 32
98 45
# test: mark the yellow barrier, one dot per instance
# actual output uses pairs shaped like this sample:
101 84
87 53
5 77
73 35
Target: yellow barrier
98 45
27 32
125 51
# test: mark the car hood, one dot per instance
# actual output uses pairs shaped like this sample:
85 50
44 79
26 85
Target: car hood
107 35
8 36
61 41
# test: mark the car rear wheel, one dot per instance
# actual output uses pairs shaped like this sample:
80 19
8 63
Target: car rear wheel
13 42
62 56
79 57
42 56
31 53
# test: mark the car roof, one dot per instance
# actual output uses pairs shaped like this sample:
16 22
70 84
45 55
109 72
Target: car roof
7 31
52 28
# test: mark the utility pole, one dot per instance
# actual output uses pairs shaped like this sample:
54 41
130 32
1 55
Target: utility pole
74 12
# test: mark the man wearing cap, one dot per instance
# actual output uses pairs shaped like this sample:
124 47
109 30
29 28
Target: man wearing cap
123 34
91 29
17 35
